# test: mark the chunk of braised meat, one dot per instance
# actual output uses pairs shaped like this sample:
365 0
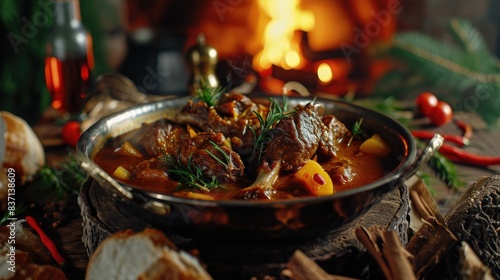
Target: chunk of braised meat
230 108
235 105
237 130
195 113
341 172
157 138
293 141
297 138
151 169
231 117
337 131
200 151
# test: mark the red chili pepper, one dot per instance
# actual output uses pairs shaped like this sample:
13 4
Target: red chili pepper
458 155
427 135
46 240
466 129
319 179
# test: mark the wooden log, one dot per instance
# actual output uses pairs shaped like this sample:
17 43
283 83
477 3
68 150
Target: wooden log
338 249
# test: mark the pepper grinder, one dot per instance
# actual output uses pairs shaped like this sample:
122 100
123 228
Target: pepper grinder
202 59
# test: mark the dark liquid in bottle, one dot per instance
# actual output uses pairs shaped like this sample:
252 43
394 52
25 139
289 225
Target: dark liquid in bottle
67 81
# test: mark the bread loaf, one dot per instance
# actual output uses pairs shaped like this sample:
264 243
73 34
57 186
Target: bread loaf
20 150
23 149
147 255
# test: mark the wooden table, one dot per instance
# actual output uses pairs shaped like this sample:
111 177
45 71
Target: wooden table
68 236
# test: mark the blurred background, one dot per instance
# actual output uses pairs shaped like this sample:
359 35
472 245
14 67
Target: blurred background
332 47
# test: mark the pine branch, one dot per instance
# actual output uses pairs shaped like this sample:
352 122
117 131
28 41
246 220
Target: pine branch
468 38
441 62
462 69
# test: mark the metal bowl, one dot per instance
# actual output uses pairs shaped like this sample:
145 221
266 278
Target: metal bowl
293 218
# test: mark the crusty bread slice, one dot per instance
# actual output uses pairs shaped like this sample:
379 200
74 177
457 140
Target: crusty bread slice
147 255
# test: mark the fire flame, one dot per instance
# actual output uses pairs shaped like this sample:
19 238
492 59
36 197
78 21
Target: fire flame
279 46
325 74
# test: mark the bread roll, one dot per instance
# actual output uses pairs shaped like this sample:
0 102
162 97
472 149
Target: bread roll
23 150
147 255
20 150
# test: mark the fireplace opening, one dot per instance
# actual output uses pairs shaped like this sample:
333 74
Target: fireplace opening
321 44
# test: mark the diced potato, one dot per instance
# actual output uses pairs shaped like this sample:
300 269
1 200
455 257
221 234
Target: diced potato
315 178
191 131
127 149
376 146
121 173
200 196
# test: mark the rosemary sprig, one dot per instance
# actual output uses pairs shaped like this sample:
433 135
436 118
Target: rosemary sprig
356 131
209 95
61 181
190 176
225 161
275 114
426 179
446 170
18 210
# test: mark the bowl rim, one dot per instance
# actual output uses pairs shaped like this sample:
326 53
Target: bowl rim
394 176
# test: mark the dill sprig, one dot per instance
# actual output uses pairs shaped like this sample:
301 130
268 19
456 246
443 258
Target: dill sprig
274 115
62 181
190 175
209 95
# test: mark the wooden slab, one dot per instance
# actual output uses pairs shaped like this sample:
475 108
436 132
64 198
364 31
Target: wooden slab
103 217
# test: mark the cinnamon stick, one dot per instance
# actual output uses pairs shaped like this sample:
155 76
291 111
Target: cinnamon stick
429 246
387 250
302 267
423 202
397 257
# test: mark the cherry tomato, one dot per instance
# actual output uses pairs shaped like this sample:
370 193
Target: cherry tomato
441 113
71 132
425 101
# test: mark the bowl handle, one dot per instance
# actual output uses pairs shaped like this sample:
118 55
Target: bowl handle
119 191
432 147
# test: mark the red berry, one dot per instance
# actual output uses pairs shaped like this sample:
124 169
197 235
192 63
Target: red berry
425 102
441 114
71 132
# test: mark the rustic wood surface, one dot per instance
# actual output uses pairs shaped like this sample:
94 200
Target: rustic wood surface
102 217
68 237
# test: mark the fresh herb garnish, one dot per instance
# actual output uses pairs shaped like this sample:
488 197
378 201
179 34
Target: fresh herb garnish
63 180
445 170
209 95
225 161
190 176
18 210
426 180
356 131
274 115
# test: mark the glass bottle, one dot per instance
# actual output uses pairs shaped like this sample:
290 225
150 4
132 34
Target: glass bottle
69 58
